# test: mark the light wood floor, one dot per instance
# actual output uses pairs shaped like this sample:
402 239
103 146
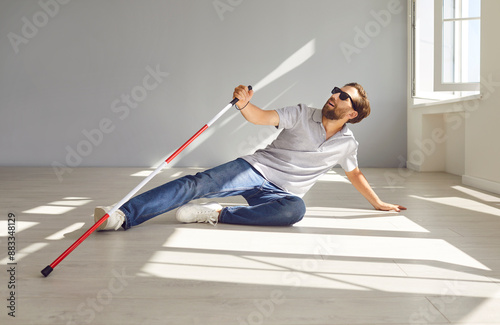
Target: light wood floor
436 263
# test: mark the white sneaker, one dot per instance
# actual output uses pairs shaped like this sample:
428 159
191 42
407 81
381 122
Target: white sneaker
207 212
114 221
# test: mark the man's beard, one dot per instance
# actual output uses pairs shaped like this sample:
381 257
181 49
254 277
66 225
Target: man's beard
330 113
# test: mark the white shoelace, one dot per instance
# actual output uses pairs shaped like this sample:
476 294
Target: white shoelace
210 217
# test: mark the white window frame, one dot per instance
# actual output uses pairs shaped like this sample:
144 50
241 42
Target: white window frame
439 85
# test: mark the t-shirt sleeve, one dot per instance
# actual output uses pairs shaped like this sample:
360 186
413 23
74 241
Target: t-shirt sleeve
350 161
289 116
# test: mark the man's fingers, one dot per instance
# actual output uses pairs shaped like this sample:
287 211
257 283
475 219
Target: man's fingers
399 208
242 93
391 207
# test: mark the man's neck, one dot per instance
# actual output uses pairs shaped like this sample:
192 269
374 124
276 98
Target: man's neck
332 126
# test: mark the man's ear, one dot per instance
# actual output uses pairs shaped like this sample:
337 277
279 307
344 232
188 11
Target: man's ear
353 114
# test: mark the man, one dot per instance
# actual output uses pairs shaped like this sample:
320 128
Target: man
272 180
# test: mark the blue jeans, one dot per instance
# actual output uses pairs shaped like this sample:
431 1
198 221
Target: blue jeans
268 204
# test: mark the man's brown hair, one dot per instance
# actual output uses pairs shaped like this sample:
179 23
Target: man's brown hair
361 103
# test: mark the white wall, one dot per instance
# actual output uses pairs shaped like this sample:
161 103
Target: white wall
66 68
436 138
482 134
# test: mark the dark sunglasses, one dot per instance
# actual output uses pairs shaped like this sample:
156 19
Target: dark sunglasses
343 95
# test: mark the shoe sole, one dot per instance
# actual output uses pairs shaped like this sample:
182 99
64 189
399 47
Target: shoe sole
98 214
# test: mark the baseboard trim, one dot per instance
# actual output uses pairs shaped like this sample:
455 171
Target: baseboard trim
482 184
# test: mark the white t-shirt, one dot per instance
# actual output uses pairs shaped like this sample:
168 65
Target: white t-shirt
301 154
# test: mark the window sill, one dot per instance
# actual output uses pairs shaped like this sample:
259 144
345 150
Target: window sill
419 103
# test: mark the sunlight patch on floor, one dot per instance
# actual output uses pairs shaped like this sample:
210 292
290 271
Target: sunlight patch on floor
462 203
382 223
477 194
315 271
341 212
60 234
46 209
72 203
20 226
22 253
143 173
60 207
369 247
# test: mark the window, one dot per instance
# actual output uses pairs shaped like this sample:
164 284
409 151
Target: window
445 48
458 45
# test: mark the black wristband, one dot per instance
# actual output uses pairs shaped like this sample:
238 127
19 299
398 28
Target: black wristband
239 109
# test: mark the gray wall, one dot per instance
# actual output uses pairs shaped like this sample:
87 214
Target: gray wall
68 67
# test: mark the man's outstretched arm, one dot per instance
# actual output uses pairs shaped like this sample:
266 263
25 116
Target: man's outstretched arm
359 181
252 113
